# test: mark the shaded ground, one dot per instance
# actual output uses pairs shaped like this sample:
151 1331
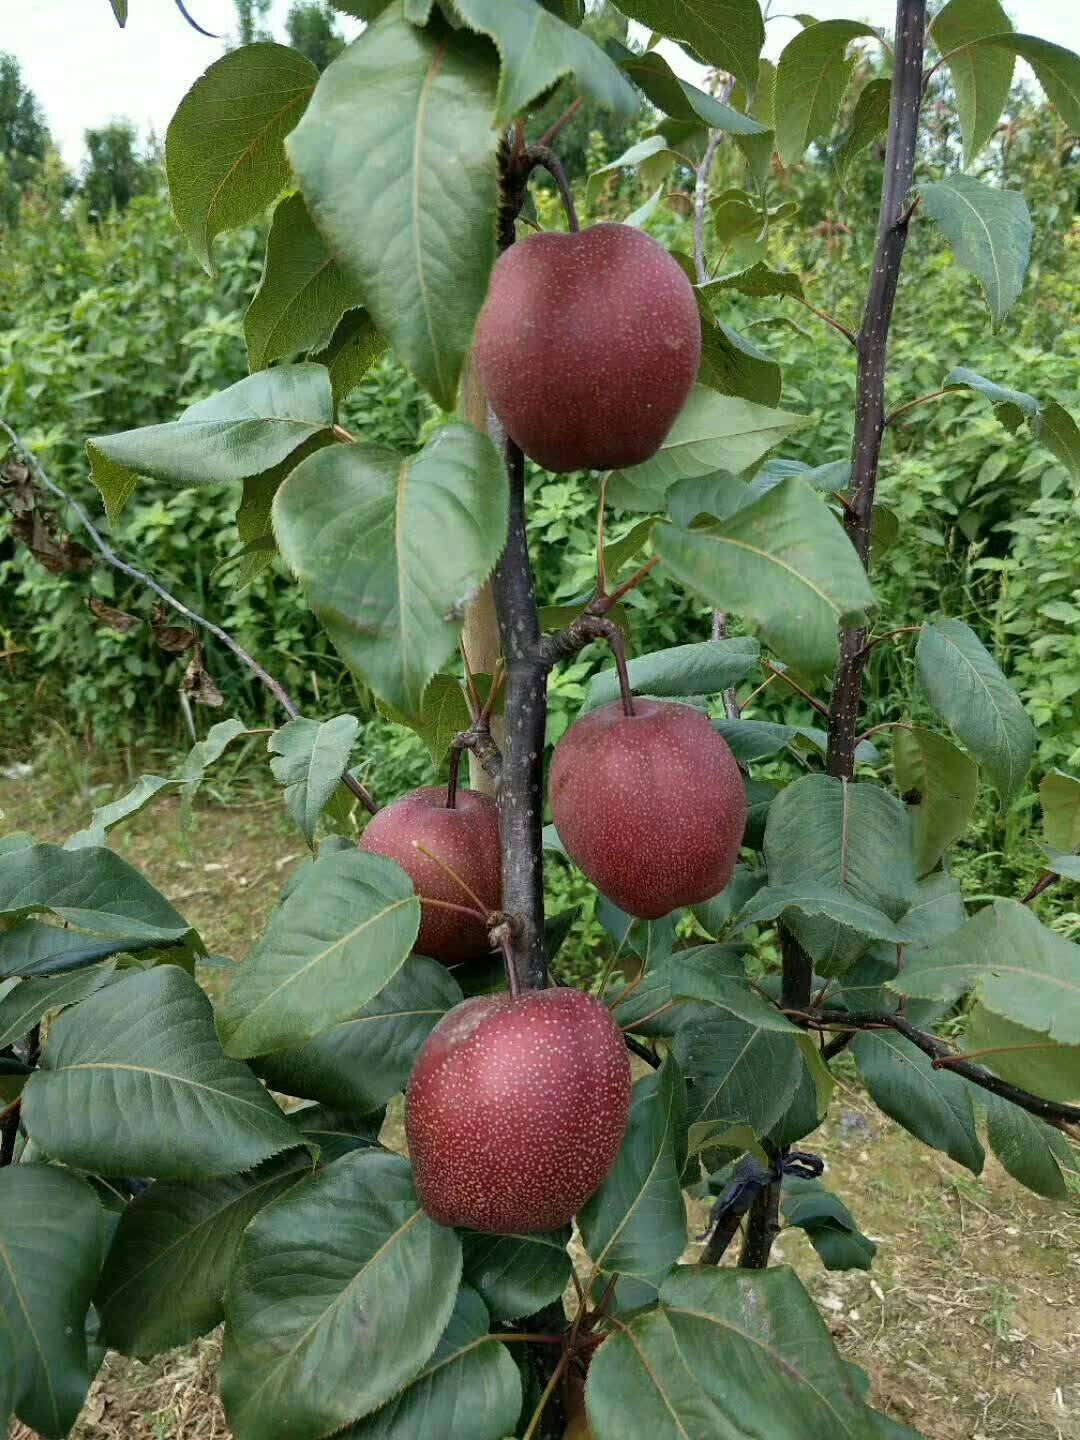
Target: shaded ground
969 1322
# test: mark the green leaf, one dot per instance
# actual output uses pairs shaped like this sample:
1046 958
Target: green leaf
727 34
517 1274
1056 69
981 74
692 975
225 146
1050 424
652 74
302 295
869 119
731 365
969 692
1028 1058
726 1352
849 838
326 951
1059 795
714 497
390 550
338 1132
309 757
340 1293
841 915
93 889
989 232
470 1389
200 757
134 1082
829 1225
785 563
704 668
736 214
635 1224
938 783
52 1238
810 82
934 1105
362 1061
30 1000
241 432
443 713
396 113
32 947
105 817
716 915
537 49
353 349
120 10
651 148
169 1263
757 280
740 1074
1030 1150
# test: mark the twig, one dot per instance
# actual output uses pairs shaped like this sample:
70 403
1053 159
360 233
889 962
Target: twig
111 557
701 185
848 334
560 122
1040 885
889 635
786 678
911 404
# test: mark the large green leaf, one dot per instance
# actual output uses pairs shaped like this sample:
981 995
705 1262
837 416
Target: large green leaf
340 1293
727 34
390 549
442 714
989 231
309 757
470 1389
869 119
22 1007
842 917
1050 423
851 838
338 1132
302 295
981 74
134 1082
1031 1059
517 1274
394 115
635 1224
973 697
785 563
704 668
1059 796
1056 69
678 98
225 146
362 1061
740 1074
934 1105
248 428
1030 1150
693 975
353 349
33 947
732 365
726 1353
92 889
326 951
170 1259
537 49
828 1223
52 1239
810 82
712 432
938 783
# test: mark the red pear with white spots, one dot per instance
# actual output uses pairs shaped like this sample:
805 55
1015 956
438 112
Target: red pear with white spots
515 1110
465 837
587 346
650 806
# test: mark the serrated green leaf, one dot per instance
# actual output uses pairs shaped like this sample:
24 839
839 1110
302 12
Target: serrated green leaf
811 78
727 34
169 1262
869 119
649 149
328 950
692 975
390 549
1059 796
1028 1058
225 146
22 1007
739 1074
938 783
302 294
1030 1150
104 817
934 1105
785 563
340 1293
393 115
678 98
353 349
337 1131
989 232
841 915
757 280
309 757
704 668
443 713
1056 69
134 1082
731 365
52 1239
365 1059
829 1225
92 889
981 74
1051 424
969 692
517 1274
245 430
35 948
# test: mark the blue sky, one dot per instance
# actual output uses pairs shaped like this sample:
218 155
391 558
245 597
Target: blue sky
85 70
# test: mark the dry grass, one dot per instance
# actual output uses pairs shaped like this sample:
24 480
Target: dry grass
968 1324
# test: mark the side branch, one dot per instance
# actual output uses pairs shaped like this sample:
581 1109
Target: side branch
111 558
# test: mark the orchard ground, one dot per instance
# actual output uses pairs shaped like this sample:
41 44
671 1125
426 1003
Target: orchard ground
968 1323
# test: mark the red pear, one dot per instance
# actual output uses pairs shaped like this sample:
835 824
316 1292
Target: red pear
650 806
466 839
515 1110
587 346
